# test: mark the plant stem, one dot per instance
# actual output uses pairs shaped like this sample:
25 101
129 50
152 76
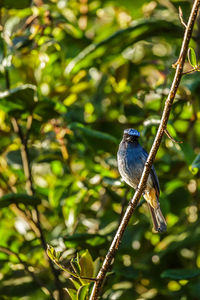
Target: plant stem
165 116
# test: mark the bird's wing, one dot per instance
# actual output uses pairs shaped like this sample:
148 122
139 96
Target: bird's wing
153 174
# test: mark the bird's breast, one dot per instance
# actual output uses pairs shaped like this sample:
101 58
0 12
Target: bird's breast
131 164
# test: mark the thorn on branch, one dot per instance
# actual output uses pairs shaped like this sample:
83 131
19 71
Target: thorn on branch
174 66
181 17
171 138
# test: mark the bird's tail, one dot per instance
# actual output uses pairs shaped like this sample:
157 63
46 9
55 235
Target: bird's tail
159 222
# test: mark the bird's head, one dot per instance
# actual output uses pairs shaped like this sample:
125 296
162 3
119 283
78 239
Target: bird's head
131 135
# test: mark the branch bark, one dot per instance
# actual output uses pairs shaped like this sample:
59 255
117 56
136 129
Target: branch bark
157 141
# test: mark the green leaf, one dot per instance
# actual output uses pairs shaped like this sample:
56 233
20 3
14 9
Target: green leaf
75 264
57 167
55 258
75 282
72 293
140 29
86 264
48 156
46 109
96 241
83 292
51 252
86 239
15 4
179 274
19 198
19 290
126 272
93 133
14 157
20 99
188 152
55 195
192 57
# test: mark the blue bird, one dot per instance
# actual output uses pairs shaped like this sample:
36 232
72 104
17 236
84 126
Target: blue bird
131 160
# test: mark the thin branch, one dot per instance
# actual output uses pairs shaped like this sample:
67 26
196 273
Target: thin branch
195 69
165 116
181 17
28 219
171 138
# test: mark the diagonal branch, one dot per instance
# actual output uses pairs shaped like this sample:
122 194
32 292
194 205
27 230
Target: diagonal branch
165 116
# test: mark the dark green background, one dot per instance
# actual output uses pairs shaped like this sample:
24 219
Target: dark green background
85 73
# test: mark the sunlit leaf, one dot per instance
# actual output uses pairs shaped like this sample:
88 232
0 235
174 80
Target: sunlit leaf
192 57
20 99
72 293
128 35
86 264
75 264
83 292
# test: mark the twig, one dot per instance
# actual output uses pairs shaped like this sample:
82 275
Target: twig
26 217
181 17
183 23
165 116
171 138
196 68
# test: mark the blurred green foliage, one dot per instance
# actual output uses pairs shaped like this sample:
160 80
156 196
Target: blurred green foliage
84 71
